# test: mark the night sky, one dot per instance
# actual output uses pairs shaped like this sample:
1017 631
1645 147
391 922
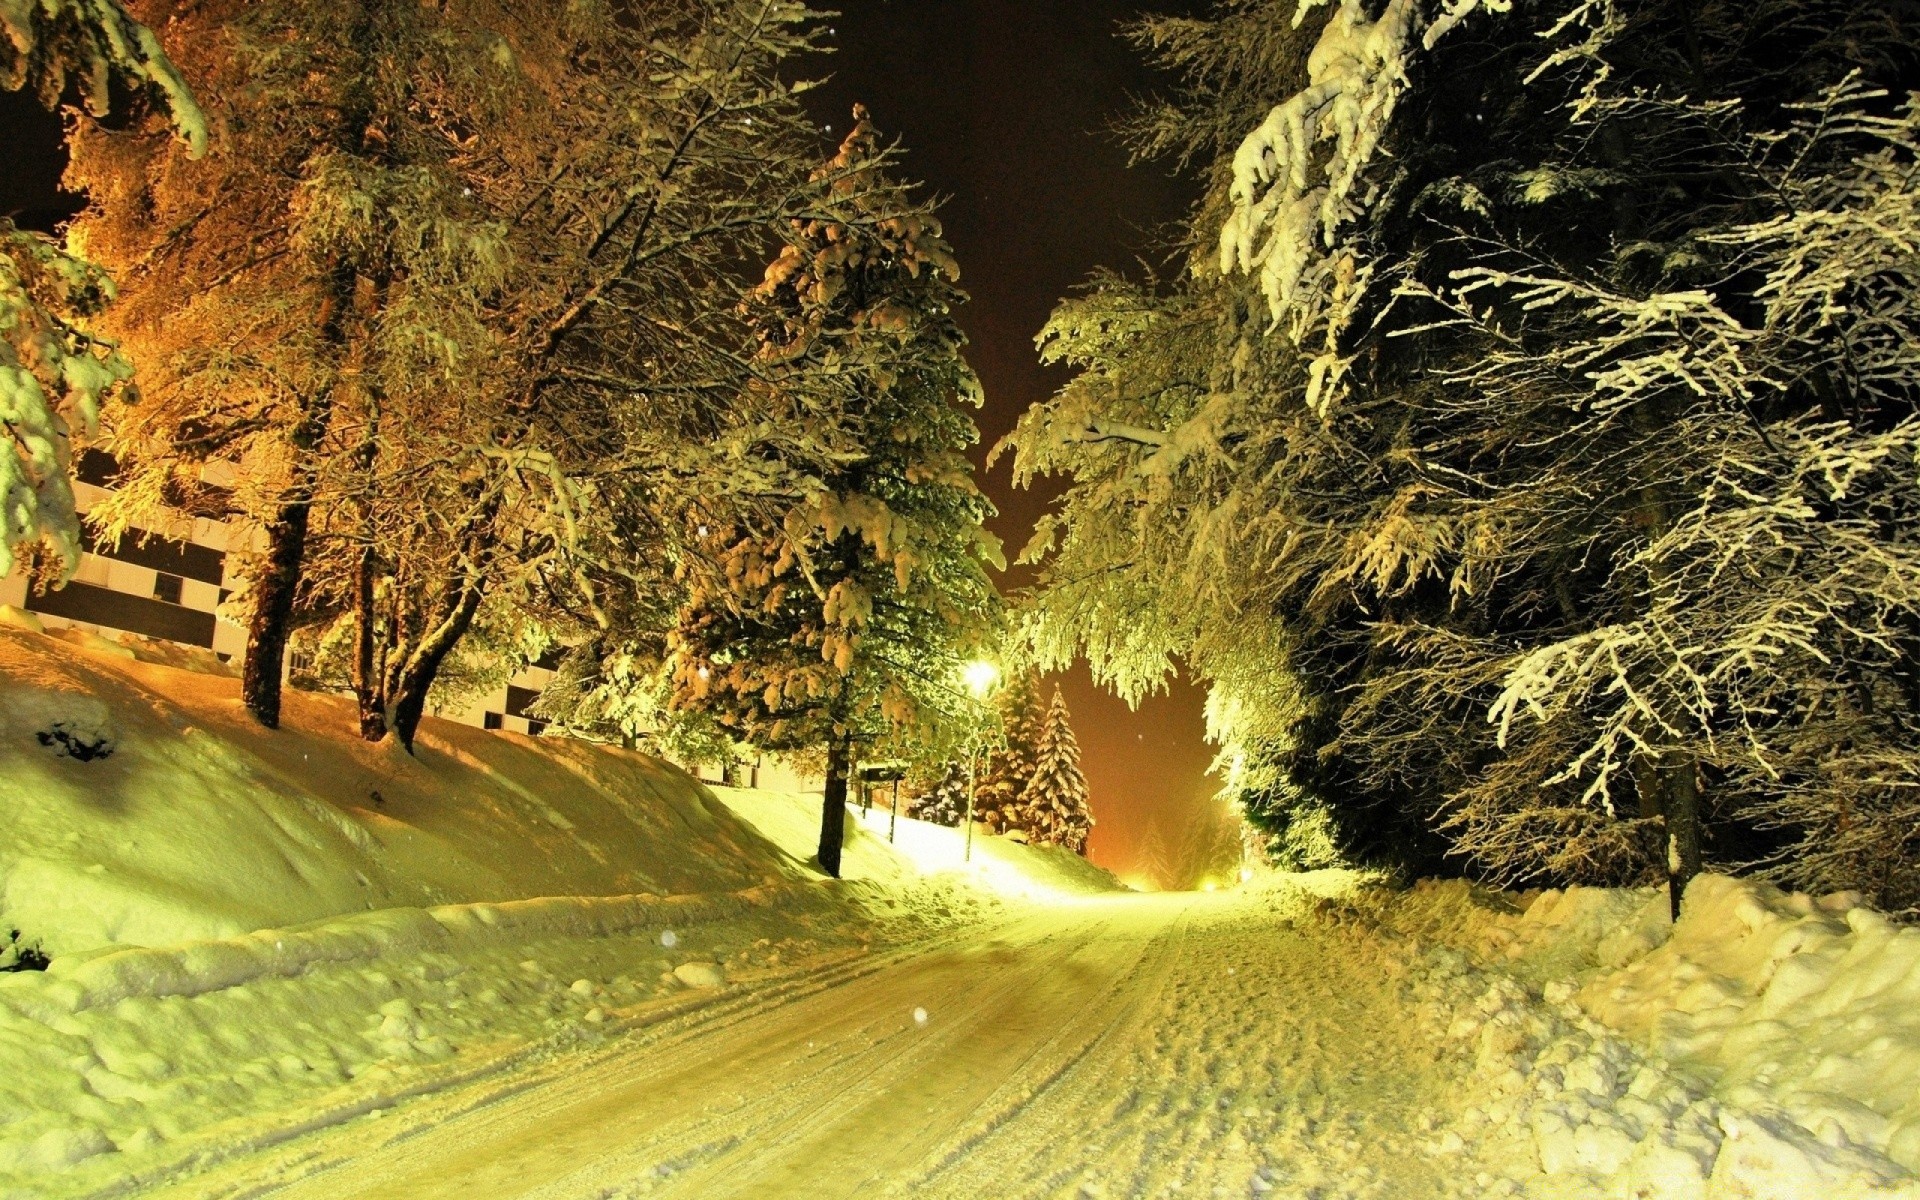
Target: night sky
1004 107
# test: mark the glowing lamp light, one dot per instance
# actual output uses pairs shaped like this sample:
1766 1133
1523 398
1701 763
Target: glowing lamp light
1246 873
981 675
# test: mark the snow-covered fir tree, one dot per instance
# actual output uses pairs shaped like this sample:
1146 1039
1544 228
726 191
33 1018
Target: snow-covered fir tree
945 803
849 618
1012 756
1055 800
54 373
1510 459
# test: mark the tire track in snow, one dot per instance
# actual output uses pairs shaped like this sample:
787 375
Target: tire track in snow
1136 1046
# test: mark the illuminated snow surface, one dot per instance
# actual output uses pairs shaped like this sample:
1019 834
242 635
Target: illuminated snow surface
1009 1027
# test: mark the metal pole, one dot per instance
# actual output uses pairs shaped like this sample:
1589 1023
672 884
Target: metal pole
895 818
968 856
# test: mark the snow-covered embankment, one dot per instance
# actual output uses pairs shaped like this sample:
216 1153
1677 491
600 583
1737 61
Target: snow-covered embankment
255 932
1766 1046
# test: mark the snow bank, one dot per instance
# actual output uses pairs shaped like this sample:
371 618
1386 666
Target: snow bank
129 1064
1812 1005
144 808
79 982
1766 1046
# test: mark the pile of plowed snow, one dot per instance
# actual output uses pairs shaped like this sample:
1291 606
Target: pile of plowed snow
1766 1045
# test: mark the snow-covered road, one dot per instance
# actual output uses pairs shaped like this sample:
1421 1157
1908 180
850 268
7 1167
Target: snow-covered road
1127 1046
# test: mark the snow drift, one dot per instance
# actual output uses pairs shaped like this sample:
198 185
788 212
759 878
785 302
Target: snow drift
1765 1045
144 808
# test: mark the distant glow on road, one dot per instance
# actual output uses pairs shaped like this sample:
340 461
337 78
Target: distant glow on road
981 675
919 1016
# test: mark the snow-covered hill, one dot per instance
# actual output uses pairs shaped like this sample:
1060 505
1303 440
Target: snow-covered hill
252 930
185 820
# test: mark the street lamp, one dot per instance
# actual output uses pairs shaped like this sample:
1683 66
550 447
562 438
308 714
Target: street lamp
980 675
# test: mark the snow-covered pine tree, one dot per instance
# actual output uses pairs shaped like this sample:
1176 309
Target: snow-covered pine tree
1054 803
1013 754
946 802
1503 395
852 615
54 374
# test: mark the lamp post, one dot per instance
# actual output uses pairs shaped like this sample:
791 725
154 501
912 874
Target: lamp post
981 675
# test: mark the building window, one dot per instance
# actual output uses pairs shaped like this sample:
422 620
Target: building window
490 721
166 587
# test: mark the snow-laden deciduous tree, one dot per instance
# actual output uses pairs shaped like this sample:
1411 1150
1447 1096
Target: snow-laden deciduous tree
1560 508
655 152
848 618
326 272
1055 799
54 372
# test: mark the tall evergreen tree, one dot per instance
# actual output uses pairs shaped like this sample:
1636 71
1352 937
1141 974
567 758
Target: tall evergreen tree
1054 803
1010 763
1496 390
851 616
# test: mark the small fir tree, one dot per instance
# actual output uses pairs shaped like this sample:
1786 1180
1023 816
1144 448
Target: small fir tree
1054 803
946 803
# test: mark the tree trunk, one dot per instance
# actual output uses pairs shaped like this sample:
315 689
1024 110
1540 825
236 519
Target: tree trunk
273 590
833 807
267 627
1682 819
408 700
366 676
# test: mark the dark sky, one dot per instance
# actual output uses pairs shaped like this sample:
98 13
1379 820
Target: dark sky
1004 106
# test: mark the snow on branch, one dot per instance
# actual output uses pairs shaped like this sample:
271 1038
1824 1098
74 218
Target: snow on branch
1289 205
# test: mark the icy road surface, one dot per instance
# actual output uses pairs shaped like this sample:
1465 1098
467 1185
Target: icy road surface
1131 1046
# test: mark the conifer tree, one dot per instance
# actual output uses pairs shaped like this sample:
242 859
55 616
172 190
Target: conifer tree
1054 804
54 374
1009 767
1489 458
946 802
851 615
